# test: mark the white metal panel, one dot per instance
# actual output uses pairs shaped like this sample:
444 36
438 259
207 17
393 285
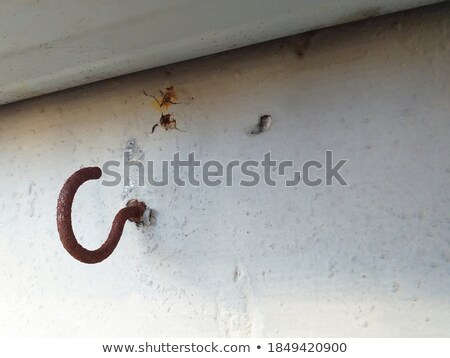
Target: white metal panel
49 45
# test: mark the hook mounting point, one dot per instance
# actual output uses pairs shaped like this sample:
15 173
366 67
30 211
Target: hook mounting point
142 209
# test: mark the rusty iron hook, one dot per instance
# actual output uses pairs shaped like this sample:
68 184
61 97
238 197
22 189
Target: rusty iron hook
134 212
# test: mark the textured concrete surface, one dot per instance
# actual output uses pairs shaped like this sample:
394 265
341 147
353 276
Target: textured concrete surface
369 259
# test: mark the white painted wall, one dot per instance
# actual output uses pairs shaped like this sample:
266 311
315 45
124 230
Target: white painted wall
370 259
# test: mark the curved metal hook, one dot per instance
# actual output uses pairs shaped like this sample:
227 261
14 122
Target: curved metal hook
134 212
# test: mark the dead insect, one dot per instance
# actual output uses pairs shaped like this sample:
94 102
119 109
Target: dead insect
265 122
167 98
167 121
